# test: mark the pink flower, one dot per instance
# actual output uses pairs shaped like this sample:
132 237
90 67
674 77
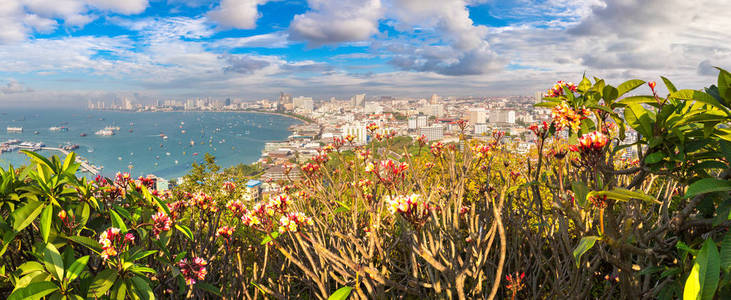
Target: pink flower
192 271
160 222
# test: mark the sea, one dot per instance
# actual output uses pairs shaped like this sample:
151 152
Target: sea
139 146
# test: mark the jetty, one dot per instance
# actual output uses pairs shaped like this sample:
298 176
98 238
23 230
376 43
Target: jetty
85 166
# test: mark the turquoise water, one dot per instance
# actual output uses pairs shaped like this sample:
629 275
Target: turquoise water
232 137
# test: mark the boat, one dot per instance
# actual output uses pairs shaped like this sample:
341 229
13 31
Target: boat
195 154
167 153
131 130
192 143
62 128
105 132
183 131
176 162
82 134
14 129
36 132
90 150
112 128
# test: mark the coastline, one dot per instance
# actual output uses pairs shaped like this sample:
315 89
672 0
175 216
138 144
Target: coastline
291 116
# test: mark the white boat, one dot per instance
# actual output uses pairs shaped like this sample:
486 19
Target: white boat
104 132
14 129
55 128
112 128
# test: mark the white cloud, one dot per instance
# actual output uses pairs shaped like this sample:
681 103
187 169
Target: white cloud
14 87
241 14
277 39
126 7
330 22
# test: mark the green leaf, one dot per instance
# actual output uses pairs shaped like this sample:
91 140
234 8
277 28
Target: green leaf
209 288
76 268
624 195
584 85
87 242
185 230
698 96
102 283
725 253
580 192
142 288
269 237
654 157
703 279
707 185
343 292
585 244
117 221
46 220
141 254
30 266
628 86
637 100
25 215
53 261
34 291
671 87
610 93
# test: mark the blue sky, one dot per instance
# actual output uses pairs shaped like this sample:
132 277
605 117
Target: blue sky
61 51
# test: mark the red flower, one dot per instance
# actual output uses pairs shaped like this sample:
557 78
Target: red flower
194 270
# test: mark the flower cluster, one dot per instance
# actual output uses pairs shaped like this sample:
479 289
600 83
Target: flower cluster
193 270
311 169
599 201
372 127
591 142
363 154
160 222
261 213
481 151
112 242
540 130
291 222
321 158
225 232
557 89
413 208
204 202
565 116
515 282
236 207
228 187
146 182
437 149
422 140
350 138
122 179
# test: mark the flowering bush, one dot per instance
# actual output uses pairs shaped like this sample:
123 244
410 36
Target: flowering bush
639 208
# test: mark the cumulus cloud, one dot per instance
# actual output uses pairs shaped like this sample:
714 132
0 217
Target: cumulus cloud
14 87
244 64
330 22
20 18
241 14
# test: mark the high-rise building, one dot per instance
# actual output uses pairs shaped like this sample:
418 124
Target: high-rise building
358 100
434 99
502 116
228 102
432 133
304 104
478 116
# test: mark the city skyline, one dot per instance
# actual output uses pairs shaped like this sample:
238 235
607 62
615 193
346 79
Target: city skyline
74 51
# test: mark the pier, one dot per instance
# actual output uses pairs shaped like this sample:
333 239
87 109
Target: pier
85 166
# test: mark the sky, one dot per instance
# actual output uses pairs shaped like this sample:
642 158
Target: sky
63 52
